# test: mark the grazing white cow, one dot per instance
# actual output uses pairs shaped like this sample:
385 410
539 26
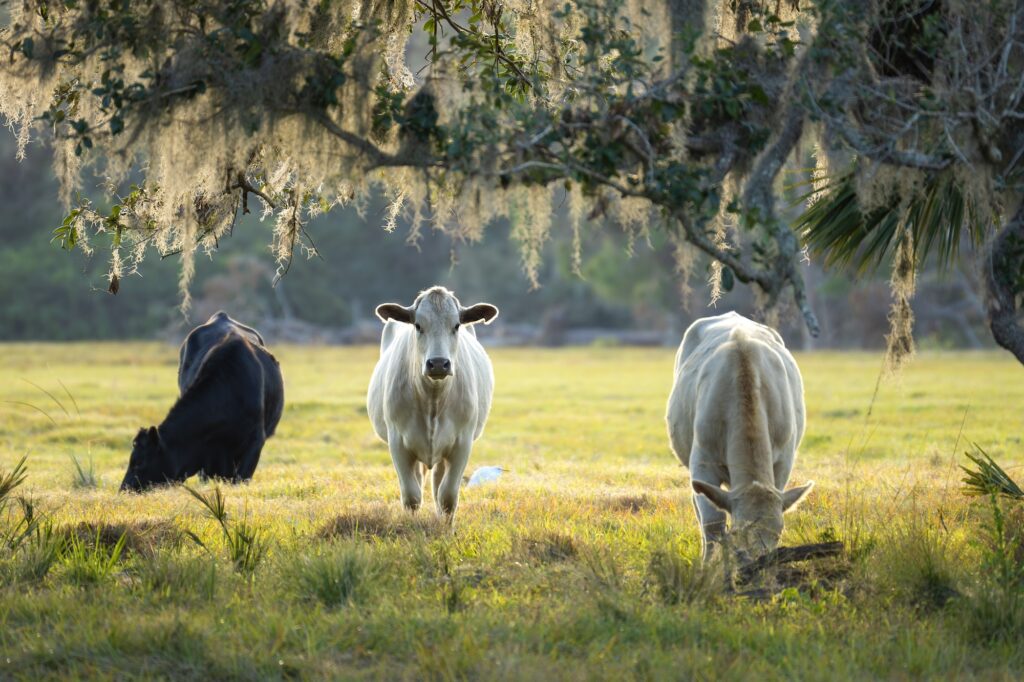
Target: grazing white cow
431 392
735 417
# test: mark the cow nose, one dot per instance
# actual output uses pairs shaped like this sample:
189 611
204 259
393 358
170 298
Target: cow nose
439 367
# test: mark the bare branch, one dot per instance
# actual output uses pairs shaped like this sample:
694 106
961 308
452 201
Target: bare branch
242 183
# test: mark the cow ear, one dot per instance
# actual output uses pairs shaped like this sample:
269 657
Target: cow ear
393 311
717 496
481 312
794 496
153 435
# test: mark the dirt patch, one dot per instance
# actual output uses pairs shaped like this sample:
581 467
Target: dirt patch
808 568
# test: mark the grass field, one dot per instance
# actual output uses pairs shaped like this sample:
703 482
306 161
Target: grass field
581 562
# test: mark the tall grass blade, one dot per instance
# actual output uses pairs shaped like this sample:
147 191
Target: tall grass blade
73 401
214 503
34 407
51 396
83 478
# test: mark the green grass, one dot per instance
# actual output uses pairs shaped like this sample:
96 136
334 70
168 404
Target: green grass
581 562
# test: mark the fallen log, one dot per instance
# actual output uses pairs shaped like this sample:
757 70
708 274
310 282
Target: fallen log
786 555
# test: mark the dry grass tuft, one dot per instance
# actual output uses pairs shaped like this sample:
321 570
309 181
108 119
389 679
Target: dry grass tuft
674 579
810 577
380 521
546 547
632 504
140 537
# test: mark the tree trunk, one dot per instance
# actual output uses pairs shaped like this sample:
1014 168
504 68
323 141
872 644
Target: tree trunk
1004 279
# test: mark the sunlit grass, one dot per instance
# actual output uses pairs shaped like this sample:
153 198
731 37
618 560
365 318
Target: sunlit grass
581 561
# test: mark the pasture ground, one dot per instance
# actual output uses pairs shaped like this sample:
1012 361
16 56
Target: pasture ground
581 562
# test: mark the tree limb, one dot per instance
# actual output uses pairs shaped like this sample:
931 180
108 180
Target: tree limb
378 157
759 203
1004 272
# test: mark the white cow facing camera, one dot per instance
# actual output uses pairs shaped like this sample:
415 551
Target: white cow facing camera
431 391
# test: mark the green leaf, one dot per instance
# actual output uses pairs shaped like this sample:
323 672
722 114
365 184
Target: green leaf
66 233
758 94
728 279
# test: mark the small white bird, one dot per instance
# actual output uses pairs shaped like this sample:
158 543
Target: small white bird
485 475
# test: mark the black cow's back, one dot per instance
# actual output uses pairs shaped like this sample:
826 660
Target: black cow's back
232 405
204 338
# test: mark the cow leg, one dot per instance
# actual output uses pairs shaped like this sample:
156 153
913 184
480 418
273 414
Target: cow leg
438 476
250 458
410 473
447 495
712 524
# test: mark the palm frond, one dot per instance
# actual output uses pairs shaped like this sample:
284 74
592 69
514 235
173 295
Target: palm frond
9 480
988 477
939 216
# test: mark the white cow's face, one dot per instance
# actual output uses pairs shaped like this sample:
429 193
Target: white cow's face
437 317
756 512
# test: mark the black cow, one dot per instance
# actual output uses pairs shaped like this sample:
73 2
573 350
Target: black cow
232 396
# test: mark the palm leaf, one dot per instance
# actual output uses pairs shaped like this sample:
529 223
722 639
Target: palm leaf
938 216
988 478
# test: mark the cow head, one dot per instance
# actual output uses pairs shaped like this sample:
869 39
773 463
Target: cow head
438 317
146 465
756 510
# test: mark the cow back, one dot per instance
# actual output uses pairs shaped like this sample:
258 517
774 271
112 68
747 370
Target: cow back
221 414
710 381
204 338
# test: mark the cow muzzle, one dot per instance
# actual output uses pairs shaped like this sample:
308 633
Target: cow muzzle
131 484
438 368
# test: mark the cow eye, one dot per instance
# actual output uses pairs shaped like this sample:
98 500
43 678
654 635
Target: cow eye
419 328
455 329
